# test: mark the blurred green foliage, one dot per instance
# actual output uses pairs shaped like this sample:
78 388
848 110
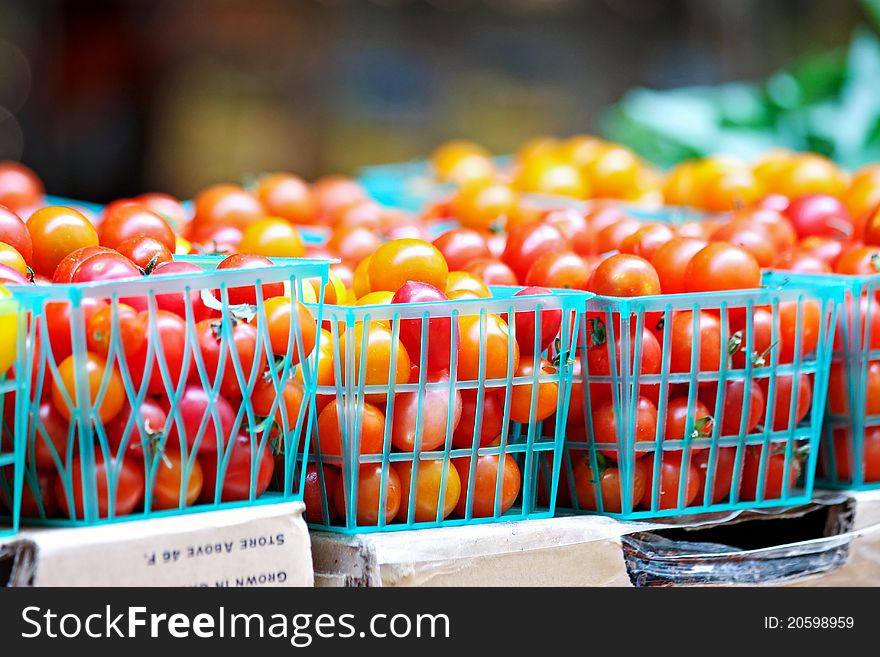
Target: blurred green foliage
828 102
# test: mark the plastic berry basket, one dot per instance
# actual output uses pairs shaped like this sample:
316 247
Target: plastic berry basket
486 474
12 324
851 436
85 448
626 456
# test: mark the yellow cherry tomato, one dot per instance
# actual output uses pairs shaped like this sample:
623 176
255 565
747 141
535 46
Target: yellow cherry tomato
12 258
272 237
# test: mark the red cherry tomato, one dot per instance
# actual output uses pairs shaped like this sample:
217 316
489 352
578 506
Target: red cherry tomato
720 478
461 246
487 420
625 275
859 261
125 477
102 328
105 267
132 220
670 482
607 424
166 206
177 302
314 493
439 416
820 214
870 456
709 349
611 486
58 324
599 360
50 439
68 265
565 270
772 478
227 205
722 266
783 402
242 365
798 318
287 196
168 340
752 236
205 421
151 416
646 241
146 252
730 416
526 321
528 242
248 295
611 236
575 227
440 335
492 271
671 260
19 186
244 473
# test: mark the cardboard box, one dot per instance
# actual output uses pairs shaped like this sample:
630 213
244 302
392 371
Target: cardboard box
264 545
833 541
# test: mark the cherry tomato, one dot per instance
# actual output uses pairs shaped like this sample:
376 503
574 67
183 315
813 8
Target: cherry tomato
559 270
248 295
369 427
647 240
774 222
599 358
123 480
131 220
397 262
859 261
751 236
521 407
492 271
101 329
490 416
440 414
487 345
610 485
69 264
146 252
804 318
803 262
670 481
10 276
481 503
378 368
671 260
151 416
166 206
820 214
762 325
178 302
611 236
720 479
239 359
361 212
13 259
174 477
361 283
242 478
332 192
613 171
58 324
14 232
433 476
461 161
282 328
709 349
525 322
528 242
783 402
460 283
41 504
839 389
870 456
354 243
272 237
441 334
678 413
216 239
56 232
168 340
287 196
19 186
772 478
290 403
826 248
461 246
606 423
50 438
482 205
108 267
730 416
227 205
722 266
575 227
96 369
371 486
314 493
625 275
204 421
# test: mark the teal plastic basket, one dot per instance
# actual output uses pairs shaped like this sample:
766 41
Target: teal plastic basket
850 455
12 321
719 455
85 457
366 470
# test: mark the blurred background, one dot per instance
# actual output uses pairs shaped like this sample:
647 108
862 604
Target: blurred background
109 99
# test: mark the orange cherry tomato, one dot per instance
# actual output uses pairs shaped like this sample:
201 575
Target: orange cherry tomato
432 478
488 345
369 428
461 281
282 328
481 502
378 368
12 258
287 196
400 261
482 205
96 370
369 494
227 205
272 237
169 482
521 408
55 232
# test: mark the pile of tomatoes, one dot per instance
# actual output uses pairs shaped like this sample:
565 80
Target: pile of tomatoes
166 372
461 361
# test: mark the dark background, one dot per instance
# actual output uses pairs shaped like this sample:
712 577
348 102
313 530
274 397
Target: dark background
106 99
